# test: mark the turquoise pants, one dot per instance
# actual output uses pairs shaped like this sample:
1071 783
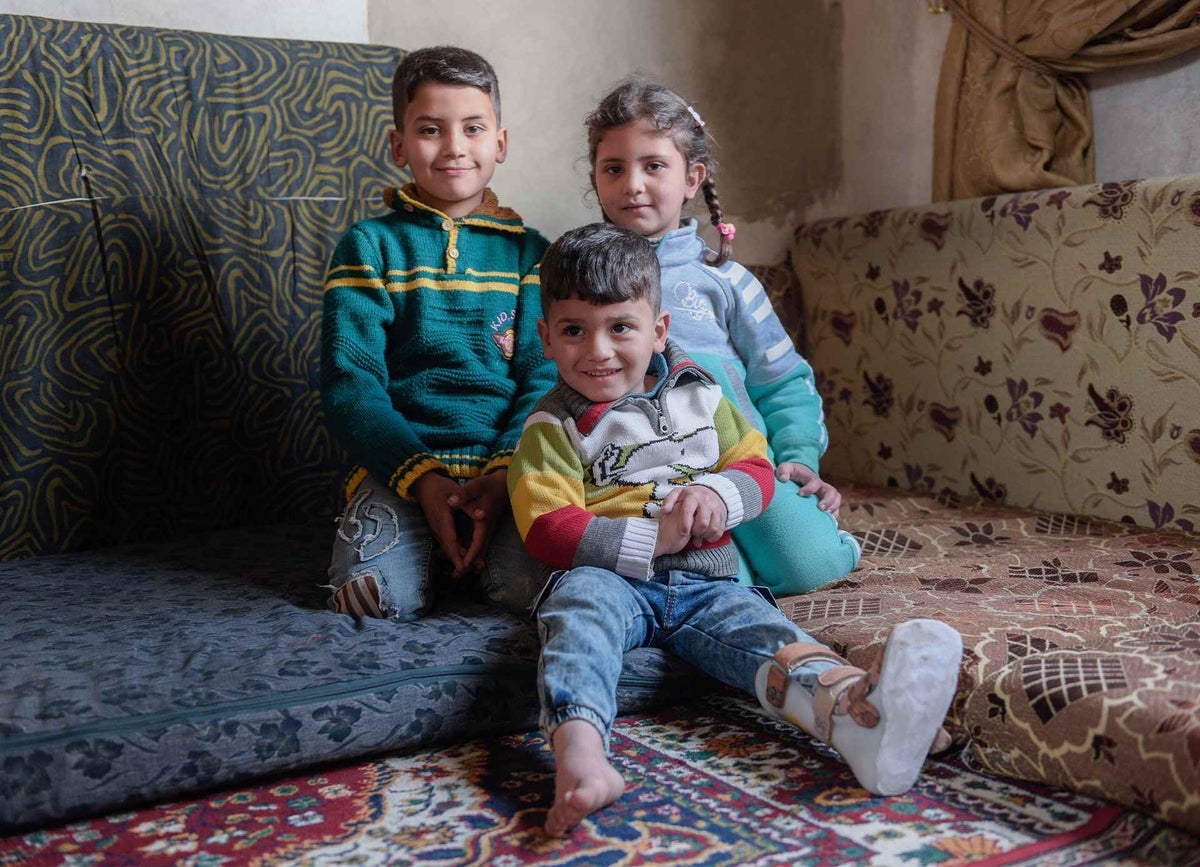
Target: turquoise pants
794 547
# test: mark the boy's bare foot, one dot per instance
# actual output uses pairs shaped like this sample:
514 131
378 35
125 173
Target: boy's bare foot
584 780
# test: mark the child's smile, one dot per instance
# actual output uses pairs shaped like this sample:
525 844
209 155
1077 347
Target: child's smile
451 142
603 351
642 180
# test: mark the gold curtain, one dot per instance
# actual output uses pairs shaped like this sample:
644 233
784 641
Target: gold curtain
1012 112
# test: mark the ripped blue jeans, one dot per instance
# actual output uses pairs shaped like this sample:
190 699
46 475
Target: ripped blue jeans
385 538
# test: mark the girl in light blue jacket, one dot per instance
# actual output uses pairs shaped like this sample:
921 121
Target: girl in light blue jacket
650 155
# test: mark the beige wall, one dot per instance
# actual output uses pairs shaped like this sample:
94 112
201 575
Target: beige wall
891 56
329 20
1146 120
817 106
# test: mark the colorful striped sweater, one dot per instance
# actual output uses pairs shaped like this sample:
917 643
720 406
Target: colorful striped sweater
588 480
430 358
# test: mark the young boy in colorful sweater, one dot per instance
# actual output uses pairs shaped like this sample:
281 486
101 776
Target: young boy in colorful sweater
628 478
430 357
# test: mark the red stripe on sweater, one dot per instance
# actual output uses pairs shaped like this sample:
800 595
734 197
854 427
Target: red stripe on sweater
554 537
762 472
588 420
683 365
725 539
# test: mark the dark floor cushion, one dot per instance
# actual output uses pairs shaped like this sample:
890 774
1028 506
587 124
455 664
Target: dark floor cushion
151 670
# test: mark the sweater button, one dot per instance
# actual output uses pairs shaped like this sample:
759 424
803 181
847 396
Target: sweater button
452 252
447 224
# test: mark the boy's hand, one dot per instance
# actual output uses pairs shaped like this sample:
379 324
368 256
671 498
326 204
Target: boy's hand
484 499
690 514
433 492
828 497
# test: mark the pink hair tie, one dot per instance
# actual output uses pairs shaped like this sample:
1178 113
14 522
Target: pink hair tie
727 229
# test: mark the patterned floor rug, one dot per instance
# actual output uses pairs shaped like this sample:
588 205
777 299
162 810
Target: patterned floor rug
711 783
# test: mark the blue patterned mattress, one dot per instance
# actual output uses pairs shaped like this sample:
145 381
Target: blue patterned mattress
147 671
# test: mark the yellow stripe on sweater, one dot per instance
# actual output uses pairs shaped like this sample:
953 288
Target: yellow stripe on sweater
404 477
394 272
352 484
545 473
355 283
752 445
473 273
618 501
538 493
452 285
463 457
470 272
496 277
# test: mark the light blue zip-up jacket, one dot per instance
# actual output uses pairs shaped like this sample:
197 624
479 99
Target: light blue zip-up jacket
724 319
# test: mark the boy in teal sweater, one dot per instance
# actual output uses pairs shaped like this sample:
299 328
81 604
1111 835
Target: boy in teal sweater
430 356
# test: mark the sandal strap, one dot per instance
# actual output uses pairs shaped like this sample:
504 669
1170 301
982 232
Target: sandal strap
790 657
830 686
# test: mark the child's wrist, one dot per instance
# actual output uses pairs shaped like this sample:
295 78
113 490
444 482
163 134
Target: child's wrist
425 480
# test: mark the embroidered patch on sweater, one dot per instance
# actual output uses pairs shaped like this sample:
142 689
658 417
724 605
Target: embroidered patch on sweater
693 303
505 340
504 337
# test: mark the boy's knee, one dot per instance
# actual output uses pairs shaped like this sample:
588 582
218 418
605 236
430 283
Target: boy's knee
368 593
381 559
581 588
838 554
511 577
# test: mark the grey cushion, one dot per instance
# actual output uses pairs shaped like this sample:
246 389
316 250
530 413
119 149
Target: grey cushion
153 670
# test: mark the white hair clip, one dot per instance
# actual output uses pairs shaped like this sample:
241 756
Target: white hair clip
695 114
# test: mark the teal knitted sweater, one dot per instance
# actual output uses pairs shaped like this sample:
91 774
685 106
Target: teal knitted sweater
430 358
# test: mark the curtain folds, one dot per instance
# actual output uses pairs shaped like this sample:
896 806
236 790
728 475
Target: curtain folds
1012 111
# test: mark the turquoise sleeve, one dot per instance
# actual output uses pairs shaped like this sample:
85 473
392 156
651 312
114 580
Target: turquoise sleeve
533 373
354 376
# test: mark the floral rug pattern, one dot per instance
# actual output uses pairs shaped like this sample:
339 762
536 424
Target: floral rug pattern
711 783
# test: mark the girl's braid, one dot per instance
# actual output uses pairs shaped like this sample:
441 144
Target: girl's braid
725 251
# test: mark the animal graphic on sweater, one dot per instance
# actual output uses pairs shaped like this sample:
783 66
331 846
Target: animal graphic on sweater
666 463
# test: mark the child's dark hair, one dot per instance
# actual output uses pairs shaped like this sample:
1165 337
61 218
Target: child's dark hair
601 263
443 64
639 98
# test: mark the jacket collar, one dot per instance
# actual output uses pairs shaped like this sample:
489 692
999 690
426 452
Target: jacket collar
671 365
490 214
680 246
